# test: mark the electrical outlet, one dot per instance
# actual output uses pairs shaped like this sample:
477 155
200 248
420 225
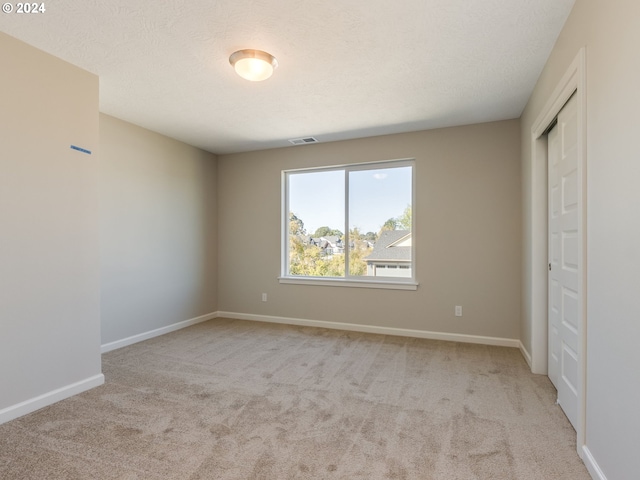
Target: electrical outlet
458 310
264 297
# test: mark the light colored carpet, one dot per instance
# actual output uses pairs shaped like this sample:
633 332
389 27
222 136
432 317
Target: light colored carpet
230 399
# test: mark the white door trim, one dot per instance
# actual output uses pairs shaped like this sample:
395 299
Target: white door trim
574 80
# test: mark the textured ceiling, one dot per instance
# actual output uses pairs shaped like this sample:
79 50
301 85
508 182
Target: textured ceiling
347 69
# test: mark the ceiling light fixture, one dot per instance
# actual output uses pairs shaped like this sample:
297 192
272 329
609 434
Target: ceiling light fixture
253 65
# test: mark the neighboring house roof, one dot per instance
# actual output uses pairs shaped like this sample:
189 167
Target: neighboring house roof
322 242
333 240
313 240
387 247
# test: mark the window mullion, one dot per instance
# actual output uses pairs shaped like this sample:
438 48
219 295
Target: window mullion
346 222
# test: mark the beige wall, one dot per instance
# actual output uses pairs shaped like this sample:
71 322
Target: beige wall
158 230
609 31
467 235
49 257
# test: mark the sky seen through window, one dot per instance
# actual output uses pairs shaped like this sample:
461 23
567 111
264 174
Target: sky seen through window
375 196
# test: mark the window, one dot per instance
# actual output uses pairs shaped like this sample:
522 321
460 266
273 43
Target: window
349 224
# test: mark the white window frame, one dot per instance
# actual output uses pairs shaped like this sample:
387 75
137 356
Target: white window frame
394 283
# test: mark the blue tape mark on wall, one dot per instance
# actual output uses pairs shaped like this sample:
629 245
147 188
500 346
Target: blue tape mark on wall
83 150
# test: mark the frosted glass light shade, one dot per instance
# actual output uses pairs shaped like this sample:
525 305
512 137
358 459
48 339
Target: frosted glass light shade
253 65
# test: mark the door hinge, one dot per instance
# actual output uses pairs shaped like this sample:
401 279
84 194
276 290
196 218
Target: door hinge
549 267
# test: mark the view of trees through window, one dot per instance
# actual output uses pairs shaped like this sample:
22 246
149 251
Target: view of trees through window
377 209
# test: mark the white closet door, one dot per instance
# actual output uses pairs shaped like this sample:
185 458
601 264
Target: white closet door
565 269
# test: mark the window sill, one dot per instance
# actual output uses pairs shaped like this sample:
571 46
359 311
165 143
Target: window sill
343 282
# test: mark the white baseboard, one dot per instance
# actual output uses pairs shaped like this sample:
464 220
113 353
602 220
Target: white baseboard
525 354
591 464
107 347
49 398
401 332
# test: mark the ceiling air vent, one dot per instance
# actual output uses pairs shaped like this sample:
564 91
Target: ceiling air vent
303 141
